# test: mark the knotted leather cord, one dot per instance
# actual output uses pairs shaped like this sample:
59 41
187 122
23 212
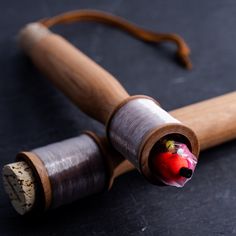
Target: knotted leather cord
183 50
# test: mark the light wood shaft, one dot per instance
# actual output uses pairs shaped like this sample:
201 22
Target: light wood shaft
92 88
213 120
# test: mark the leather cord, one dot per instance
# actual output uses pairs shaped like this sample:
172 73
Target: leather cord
183 50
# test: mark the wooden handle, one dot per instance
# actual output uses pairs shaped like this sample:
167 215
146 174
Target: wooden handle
213 120
88 85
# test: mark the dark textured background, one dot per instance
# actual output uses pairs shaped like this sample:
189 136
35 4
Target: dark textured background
34 114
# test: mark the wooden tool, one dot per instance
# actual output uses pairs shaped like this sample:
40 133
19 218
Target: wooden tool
102 161
135 124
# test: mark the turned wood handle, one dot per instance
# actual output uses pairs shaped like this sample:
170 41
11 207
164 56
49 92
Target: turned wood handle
213 120
88 85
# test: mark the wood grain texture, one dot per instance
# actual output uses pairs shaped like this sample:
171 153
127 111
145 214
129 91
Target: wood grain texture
34 114
92 88
213 120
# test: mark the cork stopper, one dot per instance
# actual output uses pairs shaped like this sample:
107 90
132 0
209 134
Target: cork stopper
19 184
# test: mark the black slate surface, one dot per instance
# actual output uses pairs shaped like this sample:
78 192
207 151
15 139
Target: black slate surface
32 114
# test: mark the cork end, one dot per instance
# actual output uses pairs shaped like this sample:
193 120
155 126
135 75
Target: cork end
19 184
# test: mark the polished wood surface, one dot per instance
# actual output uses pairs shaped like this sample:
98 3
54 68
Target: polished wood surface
88 85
